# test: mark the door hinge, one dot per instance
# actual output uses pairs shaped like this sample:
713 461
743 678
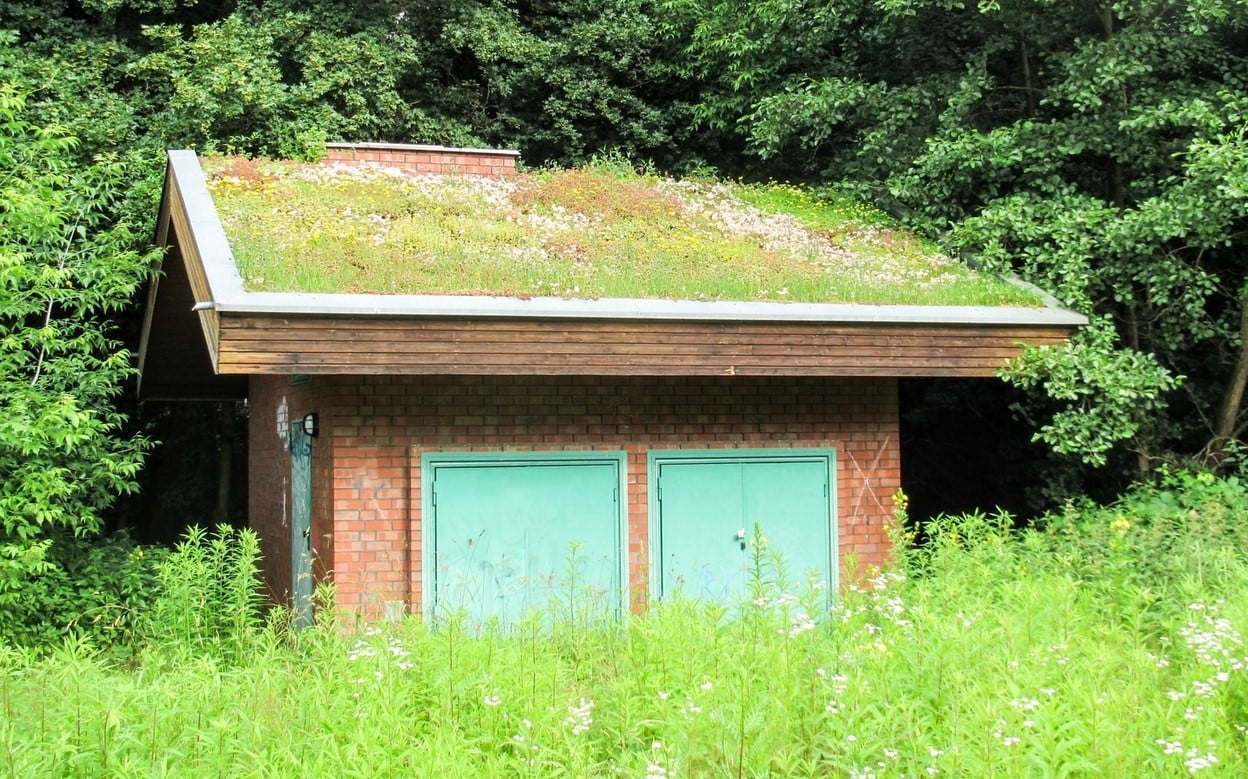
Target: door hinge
433 494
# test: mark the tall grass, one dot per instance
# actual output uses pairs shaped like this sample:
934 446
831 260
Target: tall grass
1107 643
209 600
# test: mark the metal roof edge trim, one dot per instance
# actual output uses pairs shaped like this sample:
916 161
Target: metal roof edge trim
207 232
421 147
474 306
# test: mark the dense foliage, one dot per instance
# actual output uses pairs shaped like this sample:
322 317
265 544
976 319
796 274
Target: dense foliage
1129 659
66 264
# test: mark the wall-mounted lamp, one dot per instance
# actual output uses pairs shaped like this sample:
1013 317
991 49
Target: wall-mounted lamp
311 424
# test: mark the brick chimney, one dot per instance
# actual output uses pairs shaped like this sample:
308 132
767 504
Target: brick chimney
426 159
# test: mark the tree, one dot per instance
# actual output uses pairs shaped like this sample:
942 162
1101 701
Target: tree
1094 148
65 453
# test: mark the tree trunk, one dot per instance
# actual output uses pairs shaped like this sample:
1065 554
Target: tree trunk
1025 55
1233 398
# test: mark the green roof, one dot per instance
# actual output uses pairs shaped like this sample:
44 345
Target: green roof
601 231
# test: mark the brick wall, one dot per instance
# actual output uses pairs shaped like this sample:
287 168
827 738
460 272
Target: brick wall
273 402
426 159
374 428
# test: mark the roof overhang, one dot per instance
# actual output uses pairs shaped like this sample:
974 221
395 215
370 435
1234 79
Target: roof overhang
203 328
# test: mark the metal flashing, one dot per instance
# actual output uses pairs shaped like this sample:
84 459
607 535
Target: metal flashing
418 147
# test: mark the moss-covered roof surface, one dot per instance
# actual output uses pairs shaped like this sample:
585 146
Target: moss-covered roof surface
596 232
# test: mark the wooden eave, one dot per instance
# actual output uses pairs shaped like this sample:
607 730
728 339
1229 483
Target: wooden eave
202 308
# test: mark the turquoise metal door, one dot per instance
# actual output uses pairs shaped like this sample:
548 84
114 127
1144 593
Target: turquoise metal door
300 526
708 506
513 536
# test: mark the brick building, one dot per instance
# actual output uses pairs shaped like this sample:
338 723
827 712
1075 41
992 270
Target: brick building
424 452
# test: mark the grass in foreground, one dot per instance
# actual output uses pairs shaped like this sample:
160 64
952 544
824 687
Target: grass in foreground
602 231
1110 644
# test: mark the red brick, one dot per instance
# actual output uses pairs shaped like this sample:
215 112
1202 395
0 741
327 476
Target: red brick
367 468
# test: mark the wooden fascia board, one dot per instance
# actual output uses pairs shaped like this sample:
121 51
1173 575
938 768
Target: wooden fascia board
254 343
194 225
193 258
153 285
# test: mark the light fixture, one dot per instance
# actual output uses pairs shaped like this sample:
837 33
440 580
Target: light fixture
311 424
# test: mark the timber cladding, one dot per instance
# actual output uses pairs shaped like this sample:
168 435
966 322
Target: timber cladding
266 343
367 527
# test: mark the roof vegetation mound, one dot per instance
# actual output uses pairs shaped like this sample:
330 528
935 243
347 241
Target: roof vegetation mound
601 231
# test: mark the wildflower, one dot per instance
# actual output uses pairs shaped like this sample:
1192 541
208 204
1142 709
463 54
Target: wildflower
801 623
901 501
1197 762
1169 747
580 716
707 685
1120 525
492 700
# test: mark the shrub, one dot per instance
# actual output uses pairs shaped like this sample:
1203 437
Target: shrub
210 598
94 588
